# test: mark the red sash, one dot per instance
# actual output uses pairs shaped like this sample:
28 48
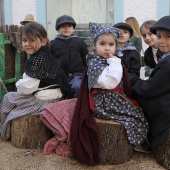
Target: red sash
118 89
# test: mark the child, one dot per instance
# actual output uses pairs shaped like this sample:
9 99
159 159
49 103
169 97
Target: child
152 53
154 94
127 52
43 81
136 39
70 51
106 91
105 85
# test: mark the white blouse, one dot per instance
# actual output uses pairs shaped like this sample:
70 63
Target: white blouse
28 85
111 75
154 51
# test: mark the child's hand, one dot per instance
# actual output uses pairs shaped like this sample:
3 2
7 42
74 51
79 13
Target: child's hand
112 56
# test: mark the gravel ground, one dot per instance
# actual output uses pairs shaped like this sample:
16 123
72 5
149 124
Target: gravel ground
12 158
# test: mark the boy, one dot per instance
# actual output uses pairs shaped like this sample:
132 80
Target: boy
70 51
154 94
127 52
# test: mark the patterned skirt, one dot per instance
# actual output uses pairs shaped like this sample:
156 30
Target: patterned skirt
15 105
114 106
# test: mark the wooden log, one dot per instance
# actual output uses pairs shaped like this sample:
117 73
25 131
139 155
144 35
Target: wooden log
115 148
28 132
162 153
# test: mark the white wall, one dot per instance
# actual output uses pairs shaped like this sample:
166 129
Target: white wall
142 10
22 7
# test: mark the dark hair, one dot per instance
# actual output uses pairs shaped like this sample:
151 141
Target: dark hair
35 29
147 24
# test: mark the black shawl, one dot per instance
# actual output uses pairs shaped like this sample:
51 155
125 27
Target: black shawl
43 66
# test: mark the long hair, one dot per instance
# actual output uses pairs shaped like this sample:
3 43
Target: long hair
135 26
34 29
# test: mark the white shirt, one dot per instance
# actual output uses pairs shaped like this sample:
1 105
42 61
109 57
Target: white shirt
28 85
154 51
111 75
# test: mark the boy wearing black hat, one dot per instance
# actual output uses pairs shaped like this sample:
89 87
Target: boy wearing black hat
70 51
154 94
127 52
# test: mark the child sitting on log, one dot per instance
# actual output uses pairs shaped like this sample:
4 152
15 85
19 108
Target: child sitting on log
154 94
106 88
106 98
43 82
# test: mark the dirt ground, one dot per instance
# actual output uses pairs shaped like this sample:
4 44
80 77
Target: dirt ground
12 158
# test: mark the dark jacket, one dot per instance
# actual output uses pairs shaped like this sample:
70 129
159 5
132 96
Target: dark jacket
154 97
149 59
131 60
70 54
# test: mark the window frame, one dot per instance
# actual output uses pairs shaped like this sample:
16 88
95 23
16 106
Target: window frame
163 8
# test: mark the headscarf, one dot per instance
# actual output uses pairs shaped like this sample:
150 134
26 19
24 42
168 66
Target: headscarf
98 29
96 64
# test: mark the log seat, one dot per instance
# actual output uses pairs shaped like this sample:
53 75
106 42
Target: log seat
28 132
115 148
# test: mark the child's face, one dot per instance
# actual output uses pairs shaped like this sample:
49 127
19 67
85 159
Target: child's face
32 44
149 38
105 45
163 40
66 30
124 38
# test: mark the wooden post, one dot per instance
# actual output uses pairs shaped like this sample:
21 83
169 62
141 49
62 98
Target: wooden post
28 132
162 153
115 148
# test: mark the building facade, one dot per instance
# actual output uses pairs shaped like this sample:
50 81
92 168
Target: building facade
83 11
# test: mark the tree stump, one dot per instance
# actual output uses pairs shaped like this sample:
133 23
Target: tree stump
115 148
28 132
162 153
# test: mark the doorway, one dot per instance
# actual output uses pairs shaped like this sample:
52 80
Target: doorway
83 12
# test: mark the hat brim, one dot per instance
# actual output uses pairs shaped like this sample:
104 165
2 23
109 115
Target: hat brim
153 29
125 26
22 22
66 22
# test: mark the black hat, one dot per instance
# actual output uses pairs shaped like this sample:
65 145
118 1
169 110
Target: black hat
162 24
124 25
64 19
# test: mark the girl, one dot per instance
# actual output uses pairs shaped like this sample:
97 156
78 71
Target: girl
127 52
137 37
152 53
154 94
107 99
105 85
43 81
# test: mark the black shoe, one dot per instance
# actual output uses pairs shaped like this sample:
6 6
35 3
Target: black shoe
143 147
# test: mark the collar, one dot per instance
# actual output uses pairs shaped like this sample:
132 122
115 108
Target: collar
59 36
